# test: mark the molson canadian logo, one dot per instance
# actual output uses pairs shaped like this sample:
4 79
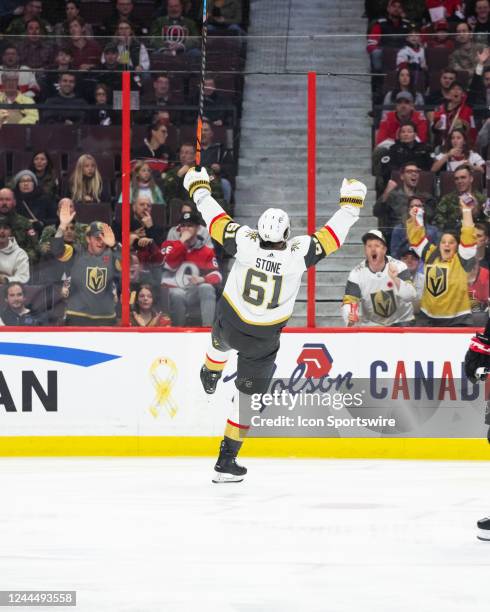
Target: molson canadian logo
311 373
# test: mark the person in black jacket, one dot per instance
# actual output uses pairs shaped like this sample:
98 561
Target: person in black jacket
101 113
32 202
405 149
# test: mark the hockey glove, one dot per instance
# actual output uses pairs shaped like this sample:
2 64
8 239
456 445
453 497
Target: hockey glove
352 193
477 358
194 180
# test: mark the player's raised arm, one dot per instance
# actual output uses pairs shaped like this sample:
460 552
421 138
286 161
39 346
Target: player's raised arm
333 234
219 223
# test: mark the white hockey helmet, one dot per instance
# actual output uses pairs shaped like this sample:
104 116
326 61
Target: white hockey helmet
274 225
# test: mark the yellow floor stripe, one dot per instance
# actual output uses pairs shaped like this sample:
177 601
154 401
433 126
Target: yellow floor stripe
352 448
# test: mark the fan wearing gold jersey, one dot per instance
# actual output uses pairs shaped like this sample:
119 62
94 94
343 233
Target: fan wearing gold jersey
445 300
259 295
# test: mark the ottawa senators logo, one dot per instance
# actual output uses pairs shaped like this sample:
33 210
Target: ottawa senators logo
436 280
384 303
96 279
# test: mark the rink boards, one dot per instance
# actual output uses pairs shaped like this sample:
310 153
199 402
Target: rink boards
123 392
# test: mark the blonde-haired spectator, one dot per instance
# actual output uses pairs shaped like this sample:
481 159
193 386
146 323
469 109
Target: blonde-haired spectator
86 184
143 184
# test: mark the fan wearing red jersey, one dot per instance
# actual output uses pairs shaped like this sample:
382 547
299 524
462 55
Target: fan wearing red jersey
191 272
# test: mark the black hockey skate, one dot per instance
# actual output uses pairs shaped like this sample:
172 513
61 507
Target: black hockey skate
226 468
209 379
484 529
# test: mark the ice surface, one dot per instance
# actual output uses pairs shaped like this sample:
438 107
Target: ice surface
155 535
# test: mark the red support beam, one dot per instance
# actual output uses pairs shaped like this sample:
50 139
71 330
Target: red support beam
126 179
311 164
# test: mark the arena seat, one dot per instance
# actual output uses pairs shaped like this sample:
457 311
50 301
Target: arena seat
224 62
96 12
389 58
463 77
86 213
437 58
174 213
178 64
159 214
447 182
144 11
3 166
434 80
100 138
54 138
13 137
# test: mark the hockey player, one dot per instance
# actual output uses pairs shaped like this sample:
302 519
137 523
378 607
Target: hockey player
259 295
477 367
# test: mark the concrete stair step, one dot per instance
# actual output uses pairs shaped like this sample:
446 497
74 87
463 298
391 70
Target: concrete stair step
253 153
323 308
332 292
297 180
300 321
271 169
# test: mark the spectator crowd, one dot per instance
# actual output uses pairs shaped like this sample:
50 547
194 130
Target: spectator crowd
427 262
60 157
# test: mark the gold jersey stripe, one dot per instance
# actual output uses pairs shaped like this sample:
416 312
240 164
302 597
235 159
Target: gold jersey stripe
240 316
468 237
415 233
89 316
350 299
218 227
200 184
327 241
213 365
234 432
352 200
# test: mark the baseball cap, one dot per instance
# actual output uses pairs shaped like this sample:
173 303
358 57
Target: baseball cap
95 228
409 251
111 48
5 221
374 234
404 95
190 218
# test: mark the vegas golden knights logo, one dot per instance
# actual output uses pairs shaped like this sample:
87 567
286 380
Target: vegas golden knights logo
96 279
384 303
436 280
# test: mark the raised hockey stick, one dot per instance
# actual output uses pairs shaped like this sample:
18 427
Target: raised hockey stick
200 114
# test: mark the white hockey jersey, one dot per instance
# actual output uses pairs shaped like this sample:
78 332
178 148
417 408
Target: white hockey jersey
263 284
381 302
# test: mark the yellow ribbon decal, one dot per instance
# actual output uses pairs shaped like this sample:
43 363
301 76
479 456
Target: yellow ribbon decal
163 373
